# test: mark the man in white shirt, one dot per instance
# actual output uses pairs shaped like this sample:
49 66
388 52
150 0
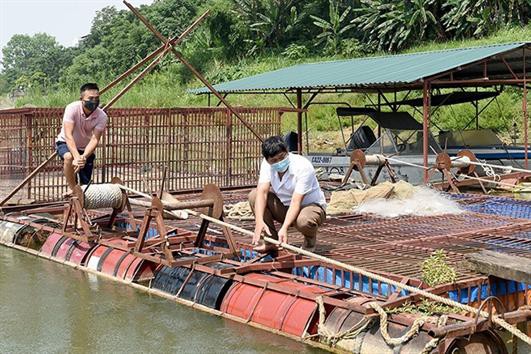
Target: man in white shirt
83 126
288 192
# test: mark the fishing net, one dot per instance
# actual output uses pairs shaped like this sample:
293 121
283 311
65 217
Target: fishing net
393 199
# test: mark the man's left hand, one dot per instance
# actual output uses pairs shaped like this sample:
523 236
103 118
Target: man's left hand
283 235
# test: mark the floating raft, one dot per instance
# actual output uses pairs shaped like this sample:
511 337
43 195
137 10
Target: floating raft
308 300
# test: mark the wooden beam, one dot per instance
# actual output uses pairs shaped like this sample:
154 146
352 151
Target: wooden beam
501 265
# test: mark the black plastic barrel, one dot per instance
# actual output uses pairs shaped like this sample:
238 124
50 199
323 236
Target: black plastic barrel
170 280
212 291
291 141
206 289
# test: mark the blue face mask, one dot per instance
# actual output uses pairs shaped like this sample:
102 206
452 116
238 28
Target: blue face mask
281 166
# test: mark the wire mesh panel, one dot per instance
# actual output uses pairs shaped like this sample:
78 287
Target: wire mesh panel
195 145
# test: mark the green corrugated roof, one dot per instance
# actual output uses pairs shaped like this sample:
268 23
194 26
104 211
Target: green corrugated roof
363 72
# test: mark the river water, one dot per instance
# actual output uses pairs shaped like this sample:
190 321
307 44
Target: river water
47 307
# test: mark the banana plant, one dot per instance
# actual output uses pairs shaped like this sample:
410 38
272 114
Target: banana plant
333 30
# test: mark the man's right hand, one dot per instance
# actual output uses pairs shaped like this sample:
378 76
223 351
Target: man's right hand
259 228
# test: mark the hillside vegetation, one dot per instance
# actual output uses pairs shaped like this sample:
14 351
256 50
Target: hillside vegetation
246 37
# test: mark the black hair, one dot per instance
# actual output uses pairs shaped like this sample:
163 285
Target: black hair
272 146
88 86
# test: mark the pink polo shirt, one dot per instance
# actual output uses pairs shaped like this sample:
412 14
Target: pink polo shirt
83 126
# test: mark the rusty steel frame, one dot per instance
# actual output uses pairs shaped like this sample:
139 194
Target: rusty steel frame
442 80
397 246
198 145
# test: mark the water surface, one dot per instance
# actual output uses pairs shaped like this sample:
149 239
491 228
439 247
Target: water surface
47 307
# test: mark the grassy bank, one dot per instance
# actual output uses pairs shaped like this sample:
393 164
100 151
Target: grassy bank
168 88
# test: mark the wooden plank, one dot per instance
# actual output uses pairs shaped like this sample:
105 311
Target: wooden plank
501 265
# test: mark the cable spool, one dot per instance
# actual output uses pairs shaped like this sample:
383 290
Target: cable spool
100 196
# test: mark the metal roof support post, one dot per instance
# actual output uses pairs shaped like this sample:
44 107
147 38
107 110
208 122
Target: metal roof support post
425 125
379 126
299 121
477 111
524 109
306 105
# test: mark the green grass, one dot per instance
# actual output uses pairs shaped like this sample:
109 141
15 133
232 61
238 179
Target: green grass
165 88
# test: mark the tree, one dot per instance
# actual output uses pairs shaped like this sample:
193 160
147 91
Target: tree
92 65
101 25
26 55
271 22
469 18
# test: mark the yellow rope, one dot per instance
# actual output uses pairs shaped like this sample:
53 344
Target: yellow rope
393 342
331 338
432 344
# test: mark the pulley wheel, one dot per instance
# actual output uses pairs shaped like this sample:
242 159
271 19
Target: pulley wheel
443 161
357 158
470 168
212 191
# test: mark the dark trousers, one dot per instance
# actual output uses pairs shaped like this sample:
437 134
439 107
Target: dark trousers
85 174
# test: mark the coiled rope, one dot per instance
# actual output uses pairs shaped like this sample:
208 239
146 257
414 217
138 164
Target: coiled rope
99 196
432 344
239 211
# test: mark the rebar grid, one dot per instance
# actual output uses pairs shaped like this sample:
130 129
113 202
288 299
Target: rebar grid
399 245
196 145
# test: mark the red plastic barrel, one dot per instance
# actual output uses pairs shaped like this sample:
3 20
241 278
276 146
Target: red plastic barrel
51 242
271 308
95 256
78 252
124 265
120 264
140 270
112 261
62 251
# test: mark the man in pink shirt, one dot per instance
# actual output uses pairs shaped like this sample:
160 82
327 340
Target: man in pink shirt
83 125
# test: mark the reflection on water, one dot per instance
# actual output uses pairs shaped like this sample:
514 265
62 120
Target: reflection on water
52 308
